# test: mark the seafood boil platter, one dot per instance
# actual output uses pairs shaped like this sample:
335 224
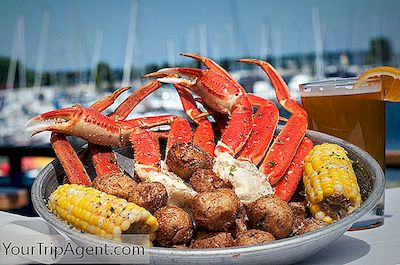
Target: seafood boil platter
239 188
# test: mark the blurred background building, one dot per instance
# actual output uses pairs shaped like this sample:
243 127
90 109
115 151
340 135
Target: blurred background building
57 53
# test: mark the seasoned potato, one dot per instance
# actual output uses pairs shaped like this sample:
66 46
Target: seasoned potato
150 195
206 180
212 240
271 214
186 158
175 226
216 210
119 185
240 225
253 237
308 225
299 213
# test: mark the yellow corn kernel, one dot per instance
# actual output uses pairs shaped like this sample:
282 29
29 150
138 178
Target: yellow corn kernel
327 219
152 236
319 215
314 208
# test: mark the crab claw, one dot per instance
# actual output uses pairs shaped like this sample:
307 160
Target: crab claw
55 120
182 76
87 124
221 93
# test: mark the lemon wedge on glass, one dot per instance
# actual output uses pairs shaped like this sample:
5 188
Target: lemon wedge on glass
390 78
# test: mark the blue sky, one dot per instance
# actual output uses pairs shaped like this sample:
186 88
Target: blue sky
174 25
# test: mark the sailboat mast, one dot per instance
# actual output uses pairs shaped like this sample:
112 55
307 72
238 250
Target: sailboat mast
264 39
22 70
239 35
16 54
130 44
319 57
203 39
171 53
278 48
42 48
95 59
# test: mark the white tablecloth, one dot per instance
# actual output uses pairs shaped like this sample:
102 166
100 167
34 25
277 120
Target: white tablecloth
379 245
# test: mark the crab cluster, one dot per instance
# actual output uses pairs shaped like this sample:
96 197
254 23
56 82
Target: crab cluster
248 168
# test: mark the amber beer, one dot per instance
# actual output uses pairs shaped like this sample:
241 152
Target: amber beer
355 115
355 112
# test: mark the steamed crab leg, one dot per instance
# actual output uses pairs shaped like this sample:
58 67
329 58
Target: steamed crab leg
204 134
103 103
265 121
74 170
210 64
146 151
180 132
123 110
285 145
287 185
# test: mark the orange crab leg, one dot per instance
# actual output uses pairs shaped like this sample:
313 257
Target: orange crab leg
204 133
75 171
107 101
284 148
180 132
146 150
281 89
285 187
285 145
210 64
103 159
91 125
237 131
123 110
265 121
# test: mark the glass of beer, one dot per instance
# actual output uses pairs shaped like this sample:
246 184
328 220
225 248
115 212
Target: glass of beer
354 111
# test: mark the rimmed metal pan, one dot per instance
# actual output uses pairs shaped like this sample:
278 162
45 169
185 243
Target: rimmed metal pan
284 251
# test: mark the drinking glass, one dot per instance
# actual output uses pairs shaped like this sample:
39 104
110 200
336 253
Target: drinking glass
354 111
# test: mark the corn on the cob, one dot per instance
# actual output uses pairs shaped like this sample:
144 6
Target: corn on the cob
330 183
99 213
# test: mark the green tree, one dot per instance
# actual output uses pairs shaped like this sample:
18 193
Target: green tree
104 77
4 63
135 72
151 68
380 51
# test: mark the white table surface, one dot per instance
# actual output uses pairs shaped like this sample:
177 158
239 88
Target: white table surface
379 245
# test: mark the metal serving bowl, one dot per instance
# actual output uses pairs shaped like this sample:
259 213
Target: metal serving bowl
284 251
